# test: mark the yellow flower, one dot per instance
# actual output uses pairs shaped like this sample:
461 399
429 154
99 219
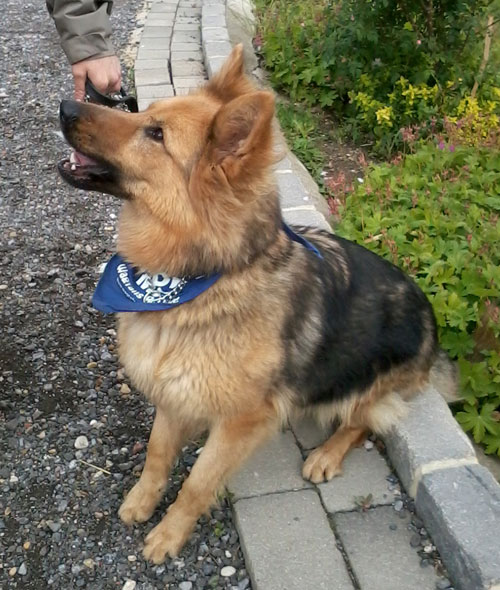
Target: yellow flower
384 116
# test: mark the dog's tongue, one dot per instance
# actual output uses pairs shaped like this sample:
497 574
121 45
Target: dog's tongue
81 160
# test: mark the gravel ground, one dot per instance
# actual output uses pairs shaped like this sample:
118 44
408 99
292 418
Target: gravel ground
60 381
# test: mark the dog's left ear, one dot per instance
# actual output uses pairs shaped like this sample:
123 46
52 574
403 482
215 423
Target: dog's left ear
230 81
242 138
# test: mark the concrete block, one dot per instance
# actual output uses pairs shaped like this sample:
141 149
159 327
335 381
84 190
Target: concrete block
195 11
461 511
276 467
214 64
382 558
150 64
176 47
154 43
216 48
187 20
214 10
214 2
160 20
157 3
146 54
195 26
163 7
364 472
292 191
152 77
309 433
187 37
184 91
428 438
143 103
187 68
288 543
188 82
157 92
187 56
307 217
218 20
153 32
284 165
215 34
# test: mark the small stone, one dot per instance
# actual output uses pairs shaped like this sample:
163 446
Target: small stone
26 545
428 548
415 540
91 365
23 570
12 571
13 479
185 585
125 389
132 558
443 584
53 526
129 585
88 563
398 505
81 442
228 571
368 445
393 526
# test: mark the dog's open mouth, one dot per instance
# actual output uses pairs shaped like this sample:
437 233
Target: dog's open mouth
83 171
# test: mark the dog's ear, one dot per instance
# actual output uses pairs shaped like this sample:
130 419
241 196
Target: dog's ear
230 81
242 138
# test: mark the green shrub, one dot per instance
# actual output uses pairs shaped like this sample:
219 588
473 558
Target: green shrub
301 131
437 215
382 65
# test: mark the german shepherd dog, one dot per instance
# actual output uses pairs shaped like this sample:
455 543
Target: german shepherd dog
346 336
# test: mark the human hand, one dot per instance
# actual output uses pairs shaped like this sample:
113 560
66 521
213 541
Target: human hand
104 73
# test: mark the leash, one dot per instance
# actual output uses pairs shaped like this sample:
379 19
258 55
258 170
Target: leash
120 100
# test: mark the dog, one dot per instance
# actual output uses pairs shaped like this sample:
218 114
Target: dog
294 320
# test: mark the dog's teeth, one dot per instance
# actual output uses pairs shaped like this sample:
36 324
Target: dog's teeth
73 167
72 158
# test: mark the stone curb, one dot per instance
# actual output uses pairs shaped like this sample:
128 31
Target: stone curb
458 500
428 449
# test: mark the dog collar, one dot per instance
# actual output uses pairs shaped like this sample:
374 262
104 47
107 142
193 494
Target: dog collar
123 288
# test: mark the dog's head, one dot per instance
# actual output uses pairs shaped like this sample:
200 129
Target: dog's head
193 171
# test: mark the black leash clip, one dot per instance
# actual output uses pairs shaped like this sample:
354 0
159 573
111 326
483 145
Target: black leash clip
120 100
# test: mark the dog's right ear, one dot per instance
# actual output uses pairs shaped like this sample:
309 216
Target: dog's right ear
230 81
240 145
242 137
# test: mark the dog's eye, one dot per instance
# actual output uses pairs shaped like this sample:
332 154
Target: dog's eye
155 133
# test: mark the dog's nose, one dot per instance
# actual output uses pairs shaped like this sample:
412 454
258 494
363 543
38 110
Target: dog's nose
69 111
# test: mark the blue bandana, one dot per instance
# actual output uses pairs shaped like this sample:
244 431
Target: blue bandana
123 288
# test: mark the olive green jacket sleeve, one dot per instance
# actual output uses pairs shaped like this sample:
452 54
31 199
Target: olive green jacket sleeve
83 26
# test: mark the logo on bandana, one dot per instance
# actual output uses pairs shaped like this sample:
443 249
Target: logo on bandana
123 288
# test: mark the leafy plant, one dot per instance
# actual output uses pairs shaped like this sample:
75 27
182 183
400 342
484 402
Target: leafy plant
300 129
383 66
437 215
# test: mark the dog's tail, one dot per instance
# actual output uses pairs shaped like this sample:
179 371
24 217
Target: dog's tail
444 377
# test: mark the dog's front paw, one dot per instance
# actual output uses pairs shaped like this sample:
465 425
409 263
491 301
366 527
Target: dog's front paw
140 503
321 465
163 540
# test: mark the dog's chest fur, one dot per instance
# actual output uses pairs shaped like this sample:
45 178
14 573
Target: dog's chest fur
198 373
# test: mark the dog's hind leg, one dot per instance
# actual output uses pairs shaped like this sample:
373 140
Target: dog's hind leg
325 462
230 442
165 441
